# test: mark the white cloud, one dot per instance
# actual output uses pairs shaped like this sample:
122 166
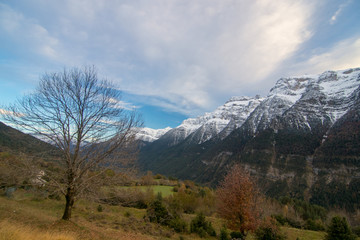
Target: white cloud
203 49
339 11
27 34
9 113
122 104
5 112
342 55
184 55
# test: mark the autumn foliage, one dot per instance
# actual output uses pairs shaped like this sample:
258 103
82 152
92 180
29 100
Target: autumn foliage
237 201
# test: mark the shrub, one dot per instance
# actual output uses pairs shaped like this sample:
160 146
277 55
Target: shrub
188 200
356 230
100 208
269 230
158 213
171 178
339 230
237 235
129 197
286 221
314 225
178 224
280 219
202 227
224 235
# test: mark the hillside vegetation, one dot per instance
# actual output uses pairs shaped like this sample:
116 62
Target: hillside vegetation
131 206
30 216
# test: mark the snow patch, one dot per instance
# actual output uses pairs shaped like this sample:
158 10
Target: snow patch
151 135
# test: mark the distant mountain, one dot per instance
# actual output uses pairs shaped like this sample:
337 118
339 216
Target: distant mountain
301 140
201 129
150 135
17 141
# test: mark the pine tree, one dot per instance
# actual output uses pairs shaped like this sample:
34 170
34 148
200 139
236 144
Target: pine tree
339 230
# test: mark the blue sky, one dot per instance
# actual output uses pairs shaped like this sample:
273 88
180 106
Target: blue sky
175 59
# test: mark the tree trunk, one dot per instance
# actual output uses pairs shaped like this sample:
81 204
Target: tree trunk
69 204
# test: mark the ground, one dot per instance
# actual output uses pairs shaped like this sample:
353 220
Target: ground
29 216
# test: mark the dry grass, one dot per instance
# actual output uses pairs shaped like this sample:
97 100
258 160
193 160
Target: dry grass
294 233
27 218
16 231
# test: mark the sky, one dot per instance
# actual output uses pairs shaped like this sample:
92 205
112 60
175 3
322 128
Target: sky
175 59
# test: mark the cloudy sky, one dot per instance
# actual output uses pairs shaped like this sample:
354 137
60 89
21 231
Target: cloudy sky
175 59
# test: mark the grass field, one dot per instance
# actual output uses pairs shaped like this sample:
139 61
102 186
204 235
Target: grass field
29 217
294 233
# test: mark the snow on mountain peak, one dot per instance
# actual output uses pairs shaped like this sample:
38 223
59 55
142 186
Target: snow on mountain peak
329 82
234 112
323 96
290 89
150 135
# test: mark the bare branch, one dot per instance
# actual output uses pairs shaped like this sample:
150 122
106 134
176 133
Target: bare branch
79 114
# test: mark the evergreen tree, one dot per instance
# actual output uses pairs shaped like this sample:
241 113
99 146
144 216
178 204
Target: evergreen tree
339 230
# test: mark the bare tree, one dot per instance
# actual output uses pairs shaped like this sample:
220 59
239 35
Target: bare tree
237 200
82 116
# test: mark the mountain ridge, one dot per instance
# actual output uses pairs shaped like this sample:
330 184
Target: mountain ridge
284 95
288 141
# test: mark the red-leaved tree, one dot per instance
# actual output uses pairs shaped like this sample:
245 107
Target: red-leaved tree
237 200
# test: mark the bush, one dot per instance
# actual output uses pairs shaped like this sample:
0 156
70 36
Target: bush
305 209
159 176
286 221
202 227
269 230
237 235
224 235
158 213
280 219
314 225
100 208
356 230
188 201
129 197
178 224
339 230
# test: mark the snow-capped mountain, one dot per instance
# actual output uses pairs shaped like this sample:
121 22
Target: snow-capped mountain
230 116
302 101
306 100
304 134
150 135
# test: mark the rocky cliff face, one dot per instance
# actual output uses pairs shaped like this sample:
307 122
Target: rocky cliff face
301 140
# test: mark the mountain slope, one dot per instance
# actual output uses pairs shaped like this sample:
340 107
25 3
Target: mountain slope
218 123
16 141
304 134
